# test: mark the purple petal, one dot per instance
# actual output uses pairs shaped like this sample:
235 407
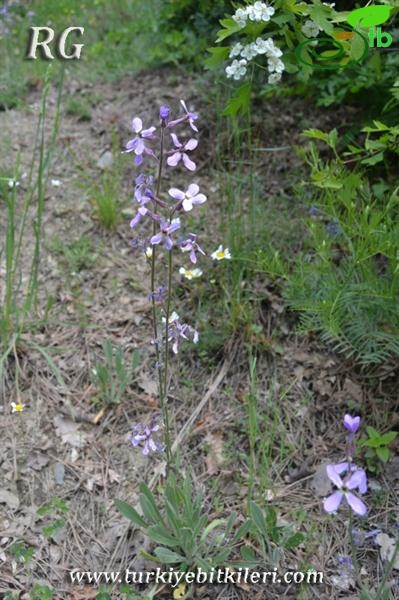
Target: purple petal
156 239
333 476
176 141
331 503
191 144
131 145
341 467
168 243
135 221
358 480
174 159
193 257
188 163
152 445
177 194
174 226
148 133
352 424
138 159
199 199
139 149
137 125
356 504
192 190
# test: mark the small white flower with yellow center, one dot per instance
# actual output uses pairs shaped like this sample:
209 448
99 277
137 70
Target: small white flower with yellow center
221 253
190 273
17 407
148 252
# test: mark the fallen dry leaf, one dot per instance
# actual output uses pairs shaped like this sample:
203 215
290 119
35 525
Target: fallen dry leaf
214 458
7 497
387 549
69 432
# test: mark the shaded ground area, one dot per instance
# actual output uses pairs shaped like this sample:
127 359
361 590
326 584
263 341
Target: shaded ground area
67 445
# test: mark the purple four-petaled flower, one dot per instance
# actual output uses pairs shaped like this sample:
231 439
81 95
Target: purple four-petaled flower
143 434
354 479
143 192
190 245
163 237
138 143
181 152
189 198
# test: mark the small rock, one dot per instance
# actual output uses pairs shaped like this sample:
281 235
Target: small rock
105 161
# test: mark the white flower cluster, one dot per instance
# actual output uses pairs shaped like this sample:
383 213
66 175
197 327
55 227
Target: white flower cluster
310 29
238 68
256 12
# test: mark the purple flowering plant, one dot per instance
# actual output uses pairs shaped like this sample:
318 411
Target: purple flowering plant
159 223
350 481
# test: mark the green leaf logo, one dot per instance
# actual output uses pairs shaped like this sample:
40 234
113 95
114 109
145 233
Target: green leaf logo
368 16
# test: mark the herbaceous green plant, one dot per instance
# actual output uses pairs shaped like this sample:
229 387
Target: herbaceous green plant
18 300
376 447
345 282
184 535
112 376
188 539
260 42
351 484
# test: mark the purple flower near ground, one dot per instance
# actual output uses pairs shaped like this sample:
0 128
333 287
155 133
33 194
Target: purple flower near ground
189 198
138 144
190 245
352 424
181 152
143 434
163 237
356 479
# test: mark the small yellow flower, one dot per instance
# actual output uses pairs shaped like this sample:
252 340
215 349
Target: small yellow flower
221 254
148 252
17 407
190 273
179 591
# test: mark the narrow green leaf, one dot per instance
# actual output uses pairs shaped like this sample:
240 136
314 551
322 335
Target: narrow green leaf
130 513
168 556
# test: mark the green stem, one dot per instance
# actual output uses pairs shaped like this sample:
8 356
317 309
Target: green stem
165 385
162 381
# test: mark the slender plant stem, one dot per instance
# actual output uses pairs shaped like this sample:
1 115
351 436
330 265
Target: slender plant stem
165 385
161 368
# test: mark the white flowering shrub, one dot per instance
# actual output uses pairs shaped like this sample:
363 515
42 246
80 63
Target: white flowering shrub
263 38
